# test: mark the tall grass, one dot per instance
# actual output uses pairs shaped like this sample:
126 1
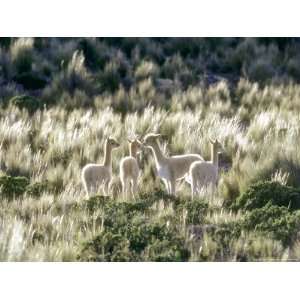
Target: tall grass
121 87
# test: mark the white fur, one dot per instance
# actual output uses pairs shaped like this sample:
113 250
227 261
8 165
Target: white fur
129 169
129 173
202 174
96 175
205 173
170 169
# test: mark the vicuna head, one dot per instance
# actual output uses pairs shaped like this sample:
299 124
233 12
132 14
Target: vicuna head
111 143
134 146
150 139
215 146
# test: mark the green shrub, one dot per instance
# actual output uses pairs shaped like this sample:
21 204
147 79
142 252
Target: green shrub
29 103
38 188
224 234
195 211
255 247
22 54
105 247
146 69
95 202
167 251
128 236
260 194
30 80
110 78
278 222
5 42
261 70
93 59
135 241
13 186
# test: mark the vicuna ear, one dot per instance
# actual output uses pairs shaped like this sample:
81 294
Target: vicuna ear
211 140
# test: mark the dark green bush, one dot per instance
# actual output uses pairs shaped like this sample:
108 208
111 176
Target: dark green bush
167 251
37 237
261 71
278 222
13 186
95 202
38 188
110 79
94 59
29 103
135 241
5 42
23 62
128 235
30 81
224 234
105 247
138 241
259 194
195 210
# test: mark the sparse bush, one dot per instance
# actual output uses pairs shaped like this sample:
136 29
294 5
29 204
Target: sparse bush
22 54
94 59
278 222
293 68
13 186
38 188
256 247
138 241
146 69
261 71
262 193
29 103
106 247
194 211
30 80
110 78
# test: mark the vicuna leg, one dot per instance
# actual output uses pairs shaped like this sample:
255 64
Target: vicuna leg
92 187
123 187
193 187
86 189
106 188
133 187
172 187
167 185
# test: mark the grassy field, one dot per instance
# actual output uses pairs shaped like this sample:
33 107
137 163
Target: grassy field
60 99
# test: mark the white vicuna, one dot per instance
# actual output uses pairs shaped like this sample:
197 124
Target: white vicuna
169 169
205 173
129 168
96 175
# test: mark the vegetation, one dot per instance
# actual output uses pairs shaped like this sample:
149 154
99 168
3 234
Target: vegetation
61 97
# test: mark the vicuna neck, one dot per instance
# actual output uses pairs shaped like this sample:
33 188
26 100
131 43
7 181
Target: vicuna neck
158 155
214 155
107 155
132 150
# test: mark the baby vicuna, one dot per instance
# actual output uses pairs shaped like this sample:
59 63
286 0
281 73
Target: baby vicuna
205 173
129 169
96 175
169 169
